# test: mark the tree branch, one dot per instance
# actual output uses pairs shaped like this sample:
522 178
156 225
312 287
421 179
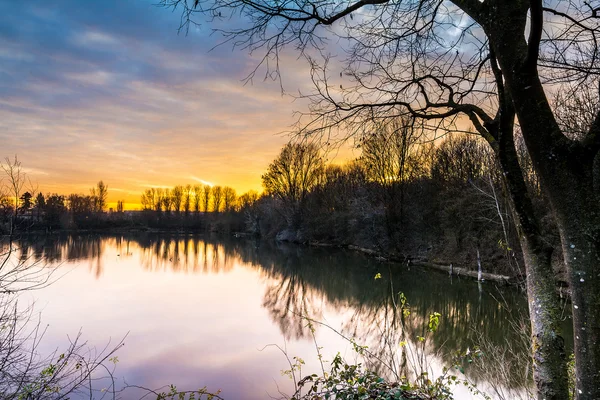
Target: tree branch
350 9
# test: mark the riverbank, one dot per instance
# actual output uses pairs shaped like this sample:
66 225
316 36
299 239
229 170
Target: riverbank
448 268
412 262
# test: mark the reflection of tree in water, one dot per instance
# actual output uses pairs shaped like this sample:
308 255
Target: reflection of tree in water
288 296
184 254
177 253
466 317
55 249
381 325
301 281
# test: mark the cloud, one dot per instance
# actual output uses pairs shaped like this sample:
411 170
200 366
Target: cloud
109 90
202 181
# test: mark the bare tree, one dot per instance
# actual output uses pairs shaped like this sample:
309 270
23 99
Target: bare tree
206 192
461 159
99 194
187 199
290 177
15 179
247 206
217 196
390 157
576 108
81 204
170 200
148 199
488 62
387 149
177 196
229 199
159 200
197 198
248 199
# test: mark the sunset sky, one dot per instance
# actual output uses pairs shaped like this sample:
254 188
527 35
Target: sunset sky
108 90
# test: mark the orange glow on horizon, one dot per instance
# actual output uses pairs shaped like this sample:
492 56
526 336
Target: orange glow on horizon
129 187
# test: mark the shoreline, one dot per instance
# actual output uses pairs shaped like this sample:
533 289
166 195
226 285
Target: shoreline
449 269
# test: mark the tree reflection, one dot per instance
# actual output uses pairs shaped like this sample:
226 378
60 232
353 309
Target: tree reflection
57 249
302 282
289 297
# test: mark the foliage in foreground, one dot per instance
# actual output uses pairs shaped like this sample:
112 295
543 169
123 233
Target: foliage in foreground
347 381
399 379
25 372
174 394
354 382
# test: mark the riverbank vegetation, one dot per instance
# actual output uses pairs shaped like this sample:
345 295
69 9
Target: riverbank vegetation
401 198
26 372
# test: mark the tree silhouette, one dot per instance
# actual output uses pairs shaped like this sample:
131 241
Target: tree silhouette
206 192
197 197
217 197
99 194
229 199
177 196
291 176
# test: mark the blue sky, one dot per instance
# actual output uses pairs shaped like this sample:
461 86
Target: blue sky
109 90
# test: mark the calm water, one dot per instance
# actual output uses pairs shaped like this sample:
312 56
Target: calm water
200 310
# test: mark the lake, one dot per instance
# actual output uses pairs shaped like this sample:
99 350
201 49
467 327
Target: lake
206 311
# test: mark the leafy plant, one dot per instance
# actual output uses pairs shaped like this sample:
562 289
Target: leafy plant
174 394
355 381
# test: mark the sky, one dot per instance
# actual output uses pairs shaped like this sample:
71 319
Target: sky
109 90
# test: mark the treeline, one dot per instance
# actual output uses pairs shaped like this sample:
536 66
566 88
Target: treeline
181 208
195 207
25 209
197 198
403 198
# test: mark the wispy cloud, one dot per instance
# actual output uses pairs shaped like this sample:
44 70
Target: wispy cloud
202 181
127 100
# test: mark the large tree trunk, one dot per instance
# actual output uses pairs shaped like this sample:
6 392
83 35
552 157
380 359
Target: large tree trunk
579 224
548 350
565 171
549 361
564 167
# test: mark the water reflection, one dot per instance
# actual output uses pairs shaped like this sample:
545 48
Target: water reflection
300 282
